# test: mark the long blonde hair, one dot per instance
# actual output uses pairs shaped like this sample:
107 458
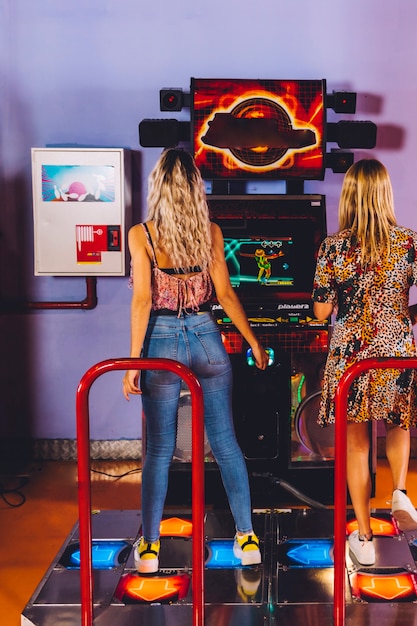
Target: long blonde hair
366 208
178 207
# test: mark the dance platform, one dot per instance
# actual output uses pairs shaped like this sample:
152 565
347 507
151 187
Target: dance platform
294 584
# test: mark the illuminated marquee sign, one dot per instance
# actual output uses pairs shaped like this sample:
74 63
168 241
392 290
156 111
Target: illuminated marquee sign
269 129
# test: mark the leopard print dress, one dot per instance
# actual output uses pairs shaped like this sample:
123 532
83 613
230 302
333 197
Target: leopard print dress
372 320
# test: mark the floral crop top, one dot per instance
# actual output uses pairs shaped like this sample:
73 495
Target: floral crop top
174 293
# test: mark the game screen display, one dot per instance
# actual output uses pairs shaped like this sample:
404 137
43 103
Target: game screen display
261 260
270 243
267 129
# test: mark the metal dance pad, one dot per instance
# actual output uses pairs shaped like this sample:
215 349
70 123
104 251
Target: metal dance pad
294 584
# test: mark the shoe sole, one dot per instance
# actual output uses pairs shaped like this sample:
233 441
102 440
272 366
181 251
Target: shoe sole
404 519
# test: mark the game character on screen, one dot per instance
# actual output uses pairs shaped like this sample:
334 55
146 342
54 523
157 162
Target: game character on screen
263 262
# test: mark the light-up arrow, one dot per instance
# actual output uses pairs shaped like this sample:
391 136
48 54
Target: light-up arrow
314 553
221 554
379 526
154 588
176 527
104 554
387 588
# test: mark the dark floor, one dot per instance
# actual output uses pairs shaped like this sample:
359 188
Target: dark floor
36 518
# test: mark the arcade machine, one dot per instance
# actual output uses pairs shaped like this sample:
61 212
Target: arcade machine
271 242
270 245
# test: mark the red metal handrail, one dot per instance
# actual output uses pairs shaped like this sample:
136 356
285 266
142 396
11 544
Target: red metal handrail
84 478
340 473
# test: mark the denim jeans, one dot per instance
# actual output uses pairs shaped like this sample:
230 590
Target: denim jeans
195 341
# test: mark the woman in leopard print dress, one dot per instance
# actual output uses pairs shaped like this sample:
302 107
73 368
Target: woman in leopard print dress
364 274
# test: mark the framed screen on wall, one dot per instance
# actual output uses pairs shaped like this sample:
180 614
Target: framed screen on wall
81 210
265 129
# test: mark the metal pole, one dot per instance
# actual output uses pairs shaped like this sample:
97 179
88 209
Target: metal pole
341 399
84 478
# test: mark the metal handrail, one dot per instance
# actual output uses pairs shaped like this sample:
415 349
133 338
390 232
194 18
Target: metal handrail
340 473
84 478
89 302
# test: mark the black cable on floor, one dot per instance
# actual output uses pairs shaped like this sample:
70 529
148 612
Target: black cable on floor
300 495
5 492
132 471
291 489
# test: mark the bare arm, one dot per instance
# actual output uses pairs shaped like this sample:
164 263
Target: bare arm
229 301
322 310
141 303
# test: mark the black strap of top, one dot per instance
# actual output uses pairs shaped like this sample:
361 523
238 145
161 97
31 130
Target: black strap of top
169 270
151 242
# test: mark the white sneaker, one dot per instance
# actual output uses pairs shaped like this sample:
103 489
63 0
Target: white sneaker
146 556
362 549
246 548
403 511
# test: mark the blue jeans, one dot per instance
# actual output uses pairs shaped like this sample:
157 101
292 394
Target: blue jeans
195 341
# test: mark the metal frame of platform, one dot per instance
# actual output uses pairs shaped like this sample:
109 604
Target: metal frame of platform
286 589
294 584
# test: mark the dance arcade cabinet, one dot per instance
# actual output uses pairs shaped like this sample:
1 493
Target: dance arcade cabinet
271 244
268 131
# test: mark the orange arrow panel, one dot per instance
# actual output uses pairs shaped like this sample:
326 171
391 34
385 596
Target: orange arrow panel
384 587
136 588
176 527
379 526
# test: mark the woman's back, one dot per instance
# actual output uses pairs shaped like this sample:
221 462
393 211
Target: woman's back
177 290
372 295
163 259
372 321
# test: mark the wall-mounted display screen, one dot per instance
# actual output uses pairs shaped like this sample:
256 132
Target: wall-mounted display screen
267 129
82 209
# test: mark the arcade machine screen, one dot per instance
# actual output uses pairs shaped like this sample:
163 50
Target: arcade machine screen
271 244
265 129
268 259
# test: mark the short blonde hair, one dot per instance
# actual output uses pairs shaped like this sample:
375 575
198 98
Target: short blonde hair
177 205
366 208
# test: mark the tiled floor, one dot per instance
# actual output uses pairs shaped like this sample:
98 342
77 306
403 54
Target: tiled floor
31 534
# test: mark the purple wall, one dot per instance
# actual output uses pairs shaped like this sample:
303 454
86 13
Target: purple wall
87 73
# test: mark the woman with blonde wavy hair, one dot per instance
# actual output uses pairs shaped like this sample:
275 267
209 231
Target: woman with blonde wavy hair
364 274
178 264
